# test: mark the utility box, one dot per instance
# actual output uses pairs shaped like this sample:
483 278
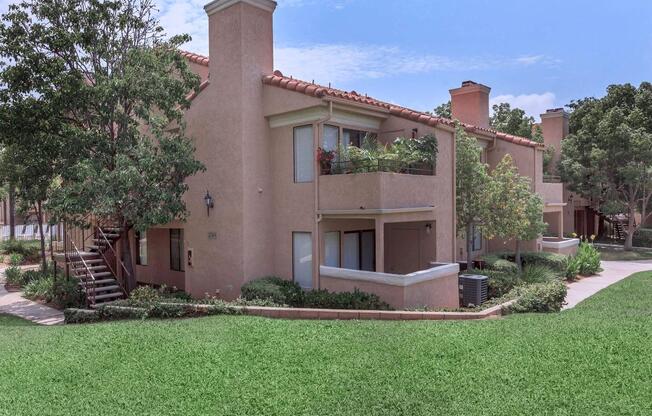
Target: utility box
473 289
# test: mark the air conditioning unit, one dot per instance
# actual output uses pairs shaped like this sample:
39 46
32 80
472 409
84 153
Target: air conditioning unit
473 289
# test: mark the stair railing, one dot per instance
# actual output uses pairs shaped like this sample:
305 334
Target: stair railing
117 259
89 284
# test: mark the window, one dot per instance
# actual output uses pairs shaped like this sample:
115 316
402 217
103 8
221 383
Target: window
176 249
303 154
331 137
302 259
353 137
332 249
477 238
359 250
141 248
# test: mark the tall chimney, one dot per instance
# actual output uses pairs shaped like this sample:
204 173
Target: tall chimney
232 141
470 103
554 126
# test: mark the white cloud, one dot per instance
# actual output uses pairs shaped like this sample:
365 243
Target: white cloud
347 62
532 104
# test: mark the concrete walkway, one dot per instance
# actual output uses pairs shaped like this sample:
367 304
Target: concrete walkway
614 271
13 303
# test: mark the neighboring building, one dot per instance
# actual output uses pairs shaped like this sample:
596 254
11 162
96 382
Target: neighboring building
275 213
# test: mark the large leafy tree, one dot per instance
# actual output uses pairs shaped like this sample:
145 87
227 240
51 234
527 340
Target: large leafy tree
471 186
514 121
608 155
516 213
107 68
443 110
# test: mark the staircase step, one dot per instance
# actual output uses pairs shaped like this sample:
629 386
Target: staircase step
108 295
97 282
91 268
113 288
113 230
100 241
111 235
102 274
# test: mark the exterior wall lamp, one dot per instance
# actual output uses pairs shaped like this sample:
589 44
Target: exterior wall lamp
208 199
428 228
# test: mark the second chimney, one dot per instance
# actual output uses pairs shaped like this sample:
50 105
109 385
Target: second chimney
470 104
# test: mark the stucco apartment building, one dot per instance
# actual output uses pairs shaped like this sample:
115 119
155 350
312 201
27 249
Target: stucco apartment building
274 212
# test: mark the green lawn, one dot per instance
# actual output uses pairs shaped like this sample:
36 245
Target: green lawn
593 360
10 320
620 255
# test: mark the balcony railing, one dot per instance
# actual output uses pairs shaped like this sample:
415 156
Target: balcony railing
377 165
551 179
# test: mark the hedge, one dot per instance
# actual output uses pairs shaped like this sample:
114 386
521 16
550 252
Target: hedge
643 238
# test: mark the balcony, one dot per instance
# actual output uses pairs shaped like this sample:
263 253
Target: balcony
551 193
379 190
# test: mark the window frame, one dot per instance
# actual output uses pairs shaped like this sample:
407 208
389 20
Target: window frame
360 232
138 238
294 153
179 240
312 273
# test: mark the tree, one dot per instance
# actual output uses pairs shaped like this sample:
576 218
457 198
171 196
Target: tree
444 110
471 182
121 87
514 121
516 213
607 157
33 154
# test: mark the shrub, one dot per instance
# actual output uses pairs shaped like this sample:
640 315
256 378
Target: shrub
536 273
588 258
80 316
145 294
275 289
112 313
16 259
28 249
344 300
64 293
554 261
539 297
14 276
499 283
643 238
572 268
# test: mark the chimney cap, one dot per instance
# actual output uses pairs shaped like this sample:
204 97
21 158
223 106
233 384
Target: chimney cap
470 86
554 112
218 5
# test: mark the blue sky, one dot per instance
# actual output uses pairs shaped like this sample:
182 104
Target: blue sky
534 54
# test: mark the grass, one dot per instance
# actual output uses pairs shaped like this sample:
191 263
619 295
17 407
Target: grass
593 360
609 254
10 320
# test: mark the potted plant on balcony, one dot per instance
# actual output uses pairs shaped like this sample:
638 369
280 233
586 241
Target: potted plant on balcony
325 159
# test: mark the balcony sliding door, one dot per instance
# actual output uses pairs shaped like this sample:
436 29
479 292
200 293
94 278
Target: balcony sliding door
359 251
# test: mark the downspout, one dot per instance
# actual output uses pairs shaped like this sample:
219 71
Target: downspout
317 249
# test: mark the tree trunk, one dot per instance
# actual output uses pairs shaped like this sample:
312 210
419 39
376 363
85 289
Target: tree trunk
469 245
130 278
629 236
12 212
517 257
39 214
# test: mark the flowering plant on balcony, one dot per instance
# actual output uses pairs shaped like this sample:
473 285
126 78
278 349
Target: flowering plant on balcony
325 159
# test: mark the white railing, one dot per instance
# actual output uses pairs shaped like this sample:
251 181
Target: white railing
441 270
30 232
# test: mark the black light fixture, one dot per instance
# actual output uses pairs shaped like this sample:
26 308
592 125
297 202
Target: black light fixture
208 199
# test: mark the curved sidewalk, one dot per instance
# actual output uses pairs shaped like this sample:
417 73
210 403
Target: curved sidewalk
613 271
13 303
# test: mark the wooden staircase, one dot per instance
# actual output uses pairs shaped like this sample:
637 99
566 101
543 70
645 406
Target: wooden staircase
92 259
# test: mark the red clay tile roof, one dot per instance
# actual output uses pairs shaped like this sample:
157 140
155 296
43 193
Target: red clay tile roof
277 79
195 57
202 87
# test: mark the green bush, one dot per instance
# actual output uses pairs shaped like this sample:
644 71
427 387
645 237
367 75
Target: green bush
28 249
16 259
145 294
63 293
572 268
275 289
588 258
113 313
499 283
323 299
80 316
643 238
498 263
539 297
554 261
536 273
14 276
